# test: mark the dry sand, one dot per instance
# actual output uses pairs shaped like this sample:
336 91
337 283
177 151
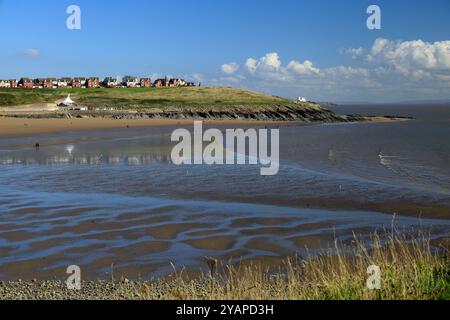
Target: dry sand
13 127
20 127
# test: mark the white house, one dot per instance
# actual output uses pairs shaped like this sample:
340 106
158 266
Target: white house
63 82
129 81
67 102
5 84
110 82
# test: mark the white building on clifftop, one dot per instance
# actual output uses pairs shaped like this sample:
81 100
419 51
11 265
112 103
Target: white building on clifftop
67 102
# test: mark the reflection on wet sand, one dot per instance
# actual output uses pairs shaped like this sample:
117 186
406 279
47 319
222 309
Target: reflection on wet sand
94 159
42 233
118 205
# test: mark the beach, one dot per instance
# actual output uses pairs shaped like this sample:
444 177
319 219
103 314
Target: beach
29 126
22 126
15 127
100 193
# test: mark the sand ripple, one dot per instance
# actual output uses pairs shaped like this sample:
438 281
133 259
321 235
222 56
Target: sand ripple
43 233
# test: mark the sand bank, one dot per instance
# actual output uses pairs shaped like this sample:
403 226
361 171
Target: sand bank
17 127
20 127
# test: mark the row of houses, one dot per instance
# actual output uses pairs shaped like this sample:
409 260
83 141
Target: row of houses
93 82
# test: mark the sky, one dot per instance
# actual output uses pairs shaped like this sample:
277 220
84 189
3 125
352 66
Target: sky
318 49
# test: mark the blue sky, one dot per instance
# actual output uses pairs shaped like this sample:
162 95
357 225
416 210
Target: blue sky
198 39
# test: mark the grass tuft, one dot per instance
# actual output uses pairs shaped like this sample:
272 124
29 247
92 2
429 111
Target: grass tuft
410 270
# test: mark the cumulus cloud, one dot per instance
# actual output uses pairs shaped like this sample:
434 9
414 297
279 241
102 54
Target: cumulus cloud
270 67
269 63
304 68
251 65
386 70
32 52
408 56
229 68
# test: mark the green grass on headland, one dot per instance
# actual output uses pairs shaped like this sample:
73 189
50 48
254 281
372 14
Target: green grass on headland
143 98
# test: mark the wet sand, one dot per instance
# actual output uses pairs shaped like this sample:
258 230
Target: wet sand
414 210
140 237
119 208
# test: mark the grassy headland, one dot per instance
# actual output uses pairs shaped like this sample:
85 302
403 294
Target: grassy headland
203 103
142 98
184 103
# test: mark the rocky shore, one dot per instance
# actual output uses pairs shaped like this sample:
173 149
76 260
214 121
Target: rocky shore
294 112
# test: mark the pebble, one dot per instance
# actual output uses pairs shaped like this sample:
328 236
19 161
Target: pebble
99 290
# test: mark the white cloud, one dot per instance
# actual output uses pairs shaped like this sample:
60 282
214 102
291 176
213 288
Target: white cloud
388 70
32 52
347 71
269 63
229 68
270 67
408 56
353 52
251 65
304 68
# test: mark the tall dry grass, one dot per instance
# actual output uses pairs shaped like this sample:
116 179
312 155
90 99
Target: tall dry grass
410 269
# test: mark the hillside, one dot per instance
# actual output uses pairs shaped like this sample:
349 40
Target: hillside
142 98
164 103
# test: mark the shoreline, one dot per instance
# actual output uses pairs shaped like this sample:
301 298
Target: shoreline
22 127
11 126
409 257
